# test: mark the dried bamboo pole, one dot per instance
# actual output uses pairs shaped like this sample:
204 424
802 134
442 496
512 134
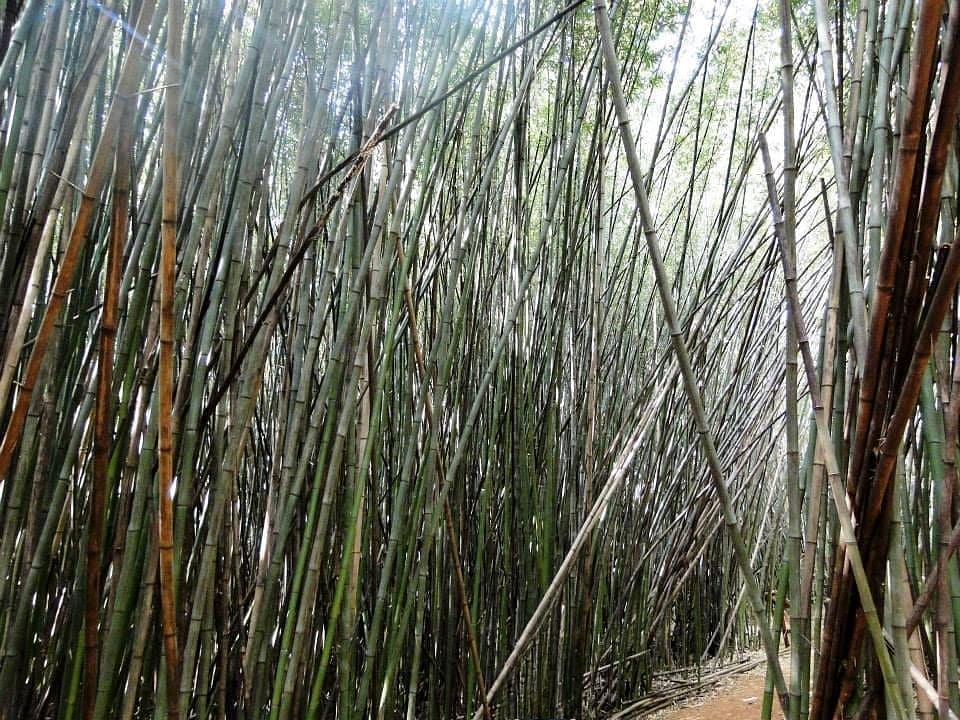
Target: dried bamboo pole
165 382
103 415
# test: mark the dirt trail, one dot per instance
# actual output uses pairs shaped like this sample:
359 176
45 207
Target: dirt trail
739 697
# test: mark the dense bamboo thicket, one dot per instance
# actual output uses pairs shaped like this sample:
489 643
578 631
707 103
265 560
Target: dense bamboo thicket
434 358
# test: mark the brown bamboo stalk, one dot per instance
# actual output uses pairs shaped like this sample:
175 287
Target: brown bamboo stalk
880 371
943 292
841 499
130 75
944 614
165 387
930 584
103 419
923 55
906 402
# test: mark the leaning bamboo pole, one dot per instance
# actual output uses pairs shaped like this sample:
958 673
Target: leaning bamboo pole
840 497
679 346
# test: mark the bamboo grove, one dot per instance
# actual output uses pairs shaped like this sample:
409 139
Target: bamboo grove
439 359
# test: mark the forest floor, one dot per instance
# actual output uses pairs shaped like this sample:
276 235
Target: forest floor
737 696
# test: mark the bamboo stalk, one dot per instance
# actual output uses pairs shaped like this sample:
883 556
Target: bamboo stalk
679 346
165 382
848 534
